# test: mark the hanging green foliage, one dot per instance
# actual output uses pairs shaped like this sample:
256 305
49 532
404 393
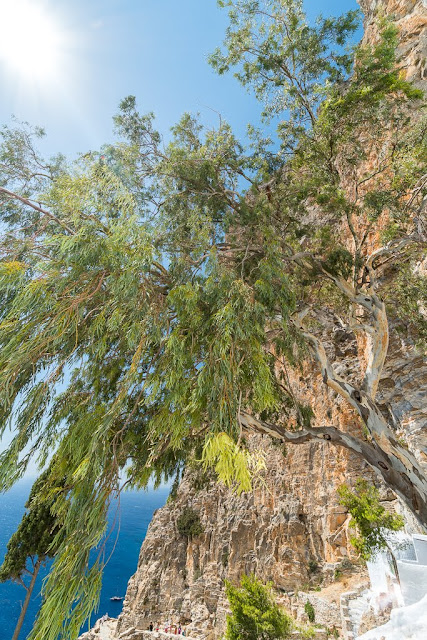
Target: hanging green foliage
370 518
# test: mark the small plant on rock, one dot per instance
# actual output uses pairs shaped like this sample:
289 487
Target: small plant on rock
337 574
188 523
309 609
313 566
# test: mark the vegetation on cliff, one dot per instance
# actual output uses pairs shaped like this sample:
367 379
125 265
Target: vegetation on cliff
370 518
255 614
154 295
188 523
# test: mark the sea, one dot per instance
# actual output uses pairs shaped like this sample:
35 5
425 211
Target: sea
136 511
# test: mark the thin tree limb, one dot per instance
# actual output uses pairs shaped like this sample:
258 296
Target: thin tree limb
27 202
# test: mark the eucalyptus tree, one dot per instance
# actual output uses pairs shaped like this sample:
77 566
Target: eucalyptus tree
154 295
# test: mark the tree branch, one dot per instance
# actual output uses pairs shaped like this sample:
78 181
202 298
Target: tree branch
27 202
22 583
402 473
322 433
377 335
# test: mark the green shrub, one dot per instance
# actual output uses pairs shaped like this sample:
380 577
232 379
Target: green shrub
254 613
188 523
346 564
369 517
309 609
313 566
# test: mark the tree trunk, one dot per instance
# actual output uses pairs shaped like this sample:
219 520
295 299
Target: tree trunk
397 465
390 467
26 601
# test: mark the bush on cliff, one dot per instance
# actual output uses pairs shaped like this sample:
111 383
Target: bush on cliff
188 523
254 613
371 520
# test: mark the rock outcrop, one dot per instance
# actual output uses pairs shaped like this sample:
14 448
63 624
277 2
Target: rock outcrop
410 16
290 531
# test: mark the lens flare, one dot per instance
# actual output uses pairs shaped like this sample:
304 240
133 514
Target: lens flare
30 42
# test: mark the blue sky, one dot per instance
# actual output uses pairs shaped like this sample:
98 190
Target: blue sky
154 49
107 49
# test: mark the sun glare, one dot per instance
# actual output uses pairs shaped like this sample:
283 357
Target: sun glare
30 42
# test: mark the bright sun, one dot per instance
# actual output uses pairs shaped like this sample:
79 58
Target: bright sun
30 42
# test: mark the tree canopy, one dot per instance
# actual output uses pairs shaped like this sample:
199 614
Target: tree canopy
153 294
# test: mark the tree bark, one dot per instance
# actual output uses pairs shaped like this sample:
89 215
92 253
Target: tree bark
397 465
414 494
26 601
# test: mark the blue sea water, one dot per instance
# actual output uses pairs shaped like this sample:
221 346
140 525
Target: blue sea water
136 511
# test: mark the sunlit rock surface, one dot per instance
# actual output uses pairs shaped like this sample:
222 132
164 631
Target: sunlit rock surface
291 523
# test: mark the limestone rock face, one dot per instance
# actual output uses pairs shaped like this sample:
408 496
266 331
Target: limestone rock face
410 17
287 526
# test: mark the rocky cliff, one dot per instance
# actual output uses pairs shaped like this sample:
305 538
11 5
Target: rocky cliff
410 16
291 529
287 529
